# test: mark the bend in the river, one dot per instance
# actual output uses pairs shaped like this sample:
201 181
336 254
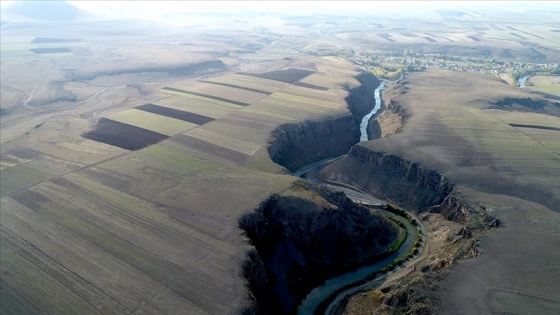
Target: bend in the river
323 292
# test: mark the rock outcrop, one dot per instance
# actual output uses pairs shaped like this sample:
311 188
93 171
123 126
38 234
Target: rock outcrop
309 234
406 184
303 237
294 145
360 98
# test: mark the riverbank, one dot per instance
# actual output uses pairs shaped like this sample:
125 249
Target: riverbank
281 273
444 164
326 297
366 132
305 235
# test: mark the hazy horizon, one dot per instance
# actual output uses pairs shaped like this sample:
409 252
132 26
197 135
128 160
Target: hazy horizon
166 9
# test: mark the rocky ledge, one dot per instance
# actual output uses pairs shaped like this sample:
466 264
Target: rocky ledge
298 144
302 237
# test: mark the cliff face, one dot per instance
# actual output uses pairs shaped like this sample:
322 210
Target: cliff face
303 237
404 183
294 145
390 177
308 234
396 108
360 99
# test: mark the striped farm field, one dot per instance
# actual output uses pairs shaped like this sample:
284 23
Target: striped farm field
274 112
207 98
142 210
21 176
205 95
547 138
90 225
197 106
291 75
226 93
210 151
252 82
112 211
246 88
310 86
18 155
247 82
290 106
238 131
33 172
308 92
79 150
324 81
124 136
177 114
153 122
221 140
535 119
306 100
166 156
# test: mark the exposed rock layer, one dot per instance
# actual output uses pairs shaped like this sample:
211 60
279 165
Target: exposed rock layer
294 145
303 237
406 183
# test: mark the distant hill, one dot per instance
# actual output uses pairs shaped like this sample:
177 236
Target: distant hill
44 10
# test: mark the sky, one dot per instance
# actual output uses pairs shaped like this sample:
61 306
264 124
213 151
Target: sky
148 9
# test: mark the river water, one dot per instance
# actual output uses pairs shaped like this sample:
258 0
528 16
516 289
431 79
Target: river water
317 295
377 106
522 81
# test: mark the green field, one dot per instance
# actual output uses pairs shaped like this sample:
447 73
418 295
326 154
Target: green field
238 131
21 176
549 88
306 100
250 82
224 141
196 106
202 98
166 157
274 103
161 124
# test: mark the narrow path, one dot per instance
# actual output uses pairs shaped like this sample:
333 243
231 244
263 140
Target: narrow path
400 254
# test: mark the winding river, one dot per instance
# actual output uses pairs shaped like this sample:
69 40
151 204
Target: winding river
377 106
523 80
321 293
